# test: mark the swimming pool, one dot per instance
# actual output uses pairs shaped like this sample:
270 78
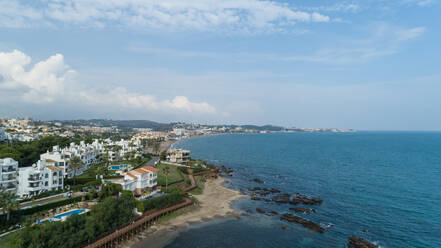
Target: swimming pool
72 212
119 166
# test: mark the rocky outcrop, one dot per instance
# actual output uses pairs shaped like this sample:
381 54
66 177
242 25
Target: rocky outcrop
303 210
305 223
257 180
282 198
357 242
302 199
259 210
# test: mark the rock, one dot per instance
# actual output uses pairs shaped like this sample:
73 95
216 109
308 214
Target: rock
303 210
284 227
305 200
255 189
274 212
357 242
257 180
282 198
259 210
273 190
255 198
306 223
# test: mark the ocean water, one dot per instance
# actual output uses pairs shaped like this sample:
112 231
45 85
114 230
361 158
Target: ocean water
382 186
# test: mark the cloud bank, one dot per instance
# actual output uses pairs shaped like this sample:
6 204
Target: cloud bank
52 82
202 15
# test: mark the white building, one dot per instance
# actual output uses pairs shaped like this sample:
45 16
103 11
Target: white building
39 178
139 180
8 174
178 156
3 135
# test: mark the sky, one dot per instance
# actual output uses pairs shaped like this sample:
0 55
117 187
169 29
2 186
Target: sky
362 64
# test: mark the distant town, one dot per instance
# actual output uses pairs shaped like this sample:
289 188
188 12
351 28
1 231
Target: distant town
27 129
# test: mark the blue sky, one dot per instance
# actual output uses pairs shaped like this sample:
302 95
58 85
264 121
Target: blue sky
368 64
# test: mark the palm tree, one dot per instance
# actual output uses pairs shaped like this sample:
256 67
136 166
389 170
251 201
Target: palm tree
166 171
156 147
75 164
8 202
106 159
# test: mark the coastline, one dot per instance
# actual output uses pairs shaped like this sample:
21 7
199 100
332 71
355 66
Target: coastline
214 202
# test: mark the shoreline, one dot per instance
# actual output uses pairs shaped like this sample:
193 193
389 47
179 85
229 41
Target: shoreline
214 203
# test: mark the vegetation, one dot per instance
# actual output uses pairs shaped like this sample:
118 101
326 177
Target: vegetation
105 216
75 164
173 177
166 172
8 202
160 202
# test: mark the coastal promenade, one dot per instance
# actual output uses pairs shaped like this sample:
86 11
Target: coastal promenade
128 232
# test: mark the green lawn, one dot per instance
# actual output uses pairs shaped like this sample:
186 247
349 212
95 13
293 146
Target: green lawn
173 177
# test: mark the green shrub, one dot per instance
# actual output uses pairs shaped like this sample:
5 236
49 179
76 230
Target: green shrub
162 201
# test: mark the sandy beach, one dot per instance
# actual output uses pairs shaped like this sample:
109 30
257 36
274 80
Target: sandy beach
214 202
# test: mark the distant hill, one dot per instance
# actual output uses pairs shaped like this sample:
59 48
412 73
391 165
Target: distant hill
157 126
123 124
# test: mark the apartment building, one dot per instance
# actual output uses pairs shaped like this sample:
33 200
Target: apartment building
38 178
178 156
139 180
8 174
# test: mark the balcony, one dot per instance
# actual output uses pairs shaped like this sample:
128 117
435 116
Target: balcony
34 179
8 170
10 178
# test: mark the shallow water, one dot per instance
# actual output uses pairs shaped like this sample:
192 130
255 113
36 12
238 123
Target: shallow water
383 186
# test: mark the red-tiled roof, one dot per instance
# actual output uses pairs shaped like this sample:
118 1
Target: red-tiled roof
150 168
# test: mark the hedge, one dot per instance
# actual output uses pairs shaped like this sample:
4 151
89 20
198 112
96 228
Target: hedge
160 202
89 184
30 211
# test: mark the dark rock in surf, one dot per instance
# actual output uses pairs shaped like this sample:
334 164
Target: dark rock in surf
305 223
303 210
357 242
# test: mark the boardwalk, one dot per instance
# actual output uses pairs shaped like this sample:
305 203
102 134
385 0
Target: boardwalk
129 231
147 219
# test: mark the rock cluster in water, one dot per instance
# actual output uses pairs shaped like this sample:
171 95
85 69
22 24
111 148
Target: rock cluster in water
303 210
357 242
304 222
226 171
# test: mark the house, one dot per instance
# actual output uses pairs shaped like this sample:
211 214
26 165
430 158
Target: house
139 180
8 174
178 156
38 178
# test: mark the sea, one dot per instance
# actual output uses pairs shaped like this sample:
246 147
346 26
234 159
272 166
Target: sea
381 186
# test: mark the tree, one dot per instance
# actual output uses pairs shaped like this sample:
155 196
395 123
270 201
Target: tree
166 171
156 147
8 202
163 155
75 164
106 159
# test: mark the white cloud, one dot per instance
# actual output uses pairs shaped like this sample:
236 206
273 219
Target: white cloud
52 82
205 15
384 40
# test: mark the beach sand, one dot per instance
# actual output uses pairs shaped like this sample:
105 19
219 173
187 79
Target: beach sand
214 202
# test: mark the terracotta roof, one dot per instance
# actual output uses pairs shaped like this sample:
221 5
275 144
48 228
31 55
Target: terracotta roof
53 168
51 161
130 175
150 168
139 171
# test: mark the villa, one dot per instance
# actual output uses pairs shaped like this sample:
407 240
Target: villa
178 156
139 180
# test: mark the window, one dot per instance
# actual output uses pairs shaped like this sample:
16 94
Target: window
46 176
54 174
46 183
